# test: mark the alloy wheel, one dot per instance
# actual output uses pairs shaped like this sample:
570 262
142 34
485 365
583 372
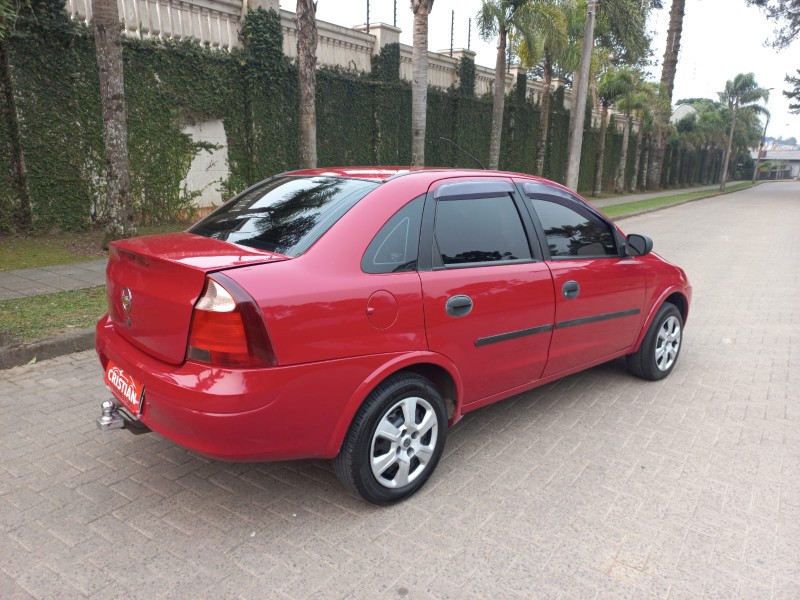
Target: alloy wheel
668 343
403 442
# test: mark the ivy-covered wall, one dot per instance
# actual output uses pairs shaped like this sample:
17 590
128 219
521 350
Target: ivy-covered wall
361 120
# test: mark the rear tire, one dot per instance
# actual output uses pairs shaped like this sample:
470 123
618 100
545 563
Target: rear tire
660 348
395 440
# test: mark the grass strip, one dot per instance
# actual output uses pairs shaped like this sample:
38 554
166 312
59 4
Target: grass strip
22 252
618 210
26 251
28 319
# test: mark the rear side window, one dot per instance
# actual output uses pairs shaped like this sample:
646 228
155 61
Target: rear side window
284 214
573 231
480 230
395 247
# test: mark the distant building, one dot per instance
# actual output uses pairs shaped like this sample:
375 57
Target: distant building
783 161
682 111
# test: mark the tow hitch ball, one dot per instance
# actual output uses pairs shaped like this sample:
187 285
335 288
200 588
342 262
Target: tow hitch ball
110 417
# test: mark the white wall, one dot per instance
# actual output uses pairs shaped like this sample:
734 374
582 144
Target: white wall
209 168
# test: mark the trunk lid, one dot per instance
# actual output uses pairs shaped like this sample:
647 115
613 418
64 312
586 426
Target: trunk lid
154 282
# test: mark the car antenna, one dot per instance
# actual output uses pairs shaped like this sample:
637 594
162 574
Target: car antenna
464 151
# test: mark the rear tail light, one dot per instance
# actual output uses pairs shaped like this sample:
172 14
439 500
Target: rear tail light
227 328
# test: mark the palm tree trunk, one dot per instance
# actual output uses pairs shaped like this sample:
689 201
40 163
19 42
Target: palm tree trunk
499 100
619 186
724 175
108 50
646 162
657 155
307 81
601 152
19 172
579 100
666 171
544 116
637 158
674 33
668 70
419 85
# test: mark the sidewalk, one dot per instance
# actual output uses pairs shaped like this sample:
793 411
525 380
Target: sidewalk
23 283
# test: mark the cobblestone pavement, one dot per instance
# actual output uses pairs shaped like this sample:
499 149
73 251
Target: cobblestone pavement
599 486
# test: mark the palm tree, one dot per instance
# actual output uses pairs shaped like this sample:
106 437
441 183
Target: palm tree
108 51
18 171
419 85
614 85
580 84
550 47
307 81
741 92
500 18
625 22
632 100
709 132
668 70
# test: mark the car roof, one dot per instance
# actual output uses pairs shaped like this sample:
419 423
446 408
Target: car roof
381 174
385 173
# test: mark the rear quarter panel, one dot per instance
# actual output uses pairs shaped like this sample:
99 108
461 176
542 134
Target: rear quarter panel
316 306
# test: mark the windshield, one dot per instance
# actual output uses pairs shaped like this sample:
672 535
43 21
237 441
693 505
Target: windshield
284 214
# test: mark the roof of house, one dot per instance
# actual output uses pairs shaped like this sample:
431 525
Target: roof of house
787 155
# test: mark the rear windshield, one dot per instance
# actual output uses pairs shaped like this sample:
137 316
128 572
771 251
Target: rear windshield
284 214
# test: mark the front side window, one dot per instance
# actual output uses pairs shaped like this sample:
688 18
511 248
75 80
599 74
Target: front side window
395 247
480 230
284 214
573 231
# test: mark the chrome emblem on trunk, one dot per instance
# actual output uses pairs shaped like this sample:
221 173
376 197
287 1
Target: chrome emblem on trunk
127 297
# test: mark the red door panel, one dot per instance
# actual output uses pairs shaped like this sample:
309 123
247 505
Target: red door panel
604 317
502 343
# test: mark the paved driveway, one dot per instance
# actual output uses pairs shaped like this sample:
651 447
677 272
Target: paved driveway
599 486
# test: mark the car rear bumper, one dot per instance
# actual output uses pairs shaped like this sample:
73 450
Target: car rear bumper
275 413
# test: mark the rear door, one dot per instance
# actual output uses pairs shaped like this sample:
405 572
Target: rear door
488 297
599 293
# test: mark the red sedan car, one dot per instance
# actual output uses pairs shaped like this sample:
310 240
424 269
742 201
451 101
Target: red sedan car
357 313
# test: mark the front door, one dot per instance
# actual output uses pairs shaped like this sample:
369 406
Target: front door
599 293
489 303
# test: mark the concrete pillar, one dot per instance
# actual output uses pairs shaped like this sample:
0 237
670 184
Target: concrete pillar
265 4
384 34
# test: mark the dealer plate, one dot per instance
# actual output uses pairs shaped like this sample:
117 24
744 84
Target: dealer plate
125 388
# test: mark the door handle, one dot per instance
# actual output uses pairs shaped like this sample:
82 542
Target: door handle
571 289
458 306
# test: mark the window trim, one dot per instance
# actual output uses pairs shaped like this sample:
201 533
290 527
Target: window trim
542 191
419 198
428 233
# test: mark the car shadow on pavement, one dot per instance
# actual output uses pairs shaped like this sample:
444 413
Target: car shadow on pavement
480 451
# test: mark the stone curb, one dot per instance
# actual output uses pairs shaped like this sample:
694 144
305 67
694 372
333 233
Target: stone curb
65 343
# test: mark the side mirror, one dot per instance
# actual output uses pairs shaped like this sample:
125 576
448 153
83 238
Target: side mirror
638 245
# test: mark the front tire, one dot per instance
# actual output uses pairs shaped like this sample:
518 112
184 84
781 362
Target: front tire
660 348
395 441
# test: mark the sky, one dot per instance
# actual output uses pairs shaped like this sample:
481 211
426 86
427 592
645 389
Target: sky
721 38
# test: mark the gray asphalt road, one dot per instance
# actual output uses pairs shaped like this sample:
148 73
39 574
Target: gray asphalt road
599 486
